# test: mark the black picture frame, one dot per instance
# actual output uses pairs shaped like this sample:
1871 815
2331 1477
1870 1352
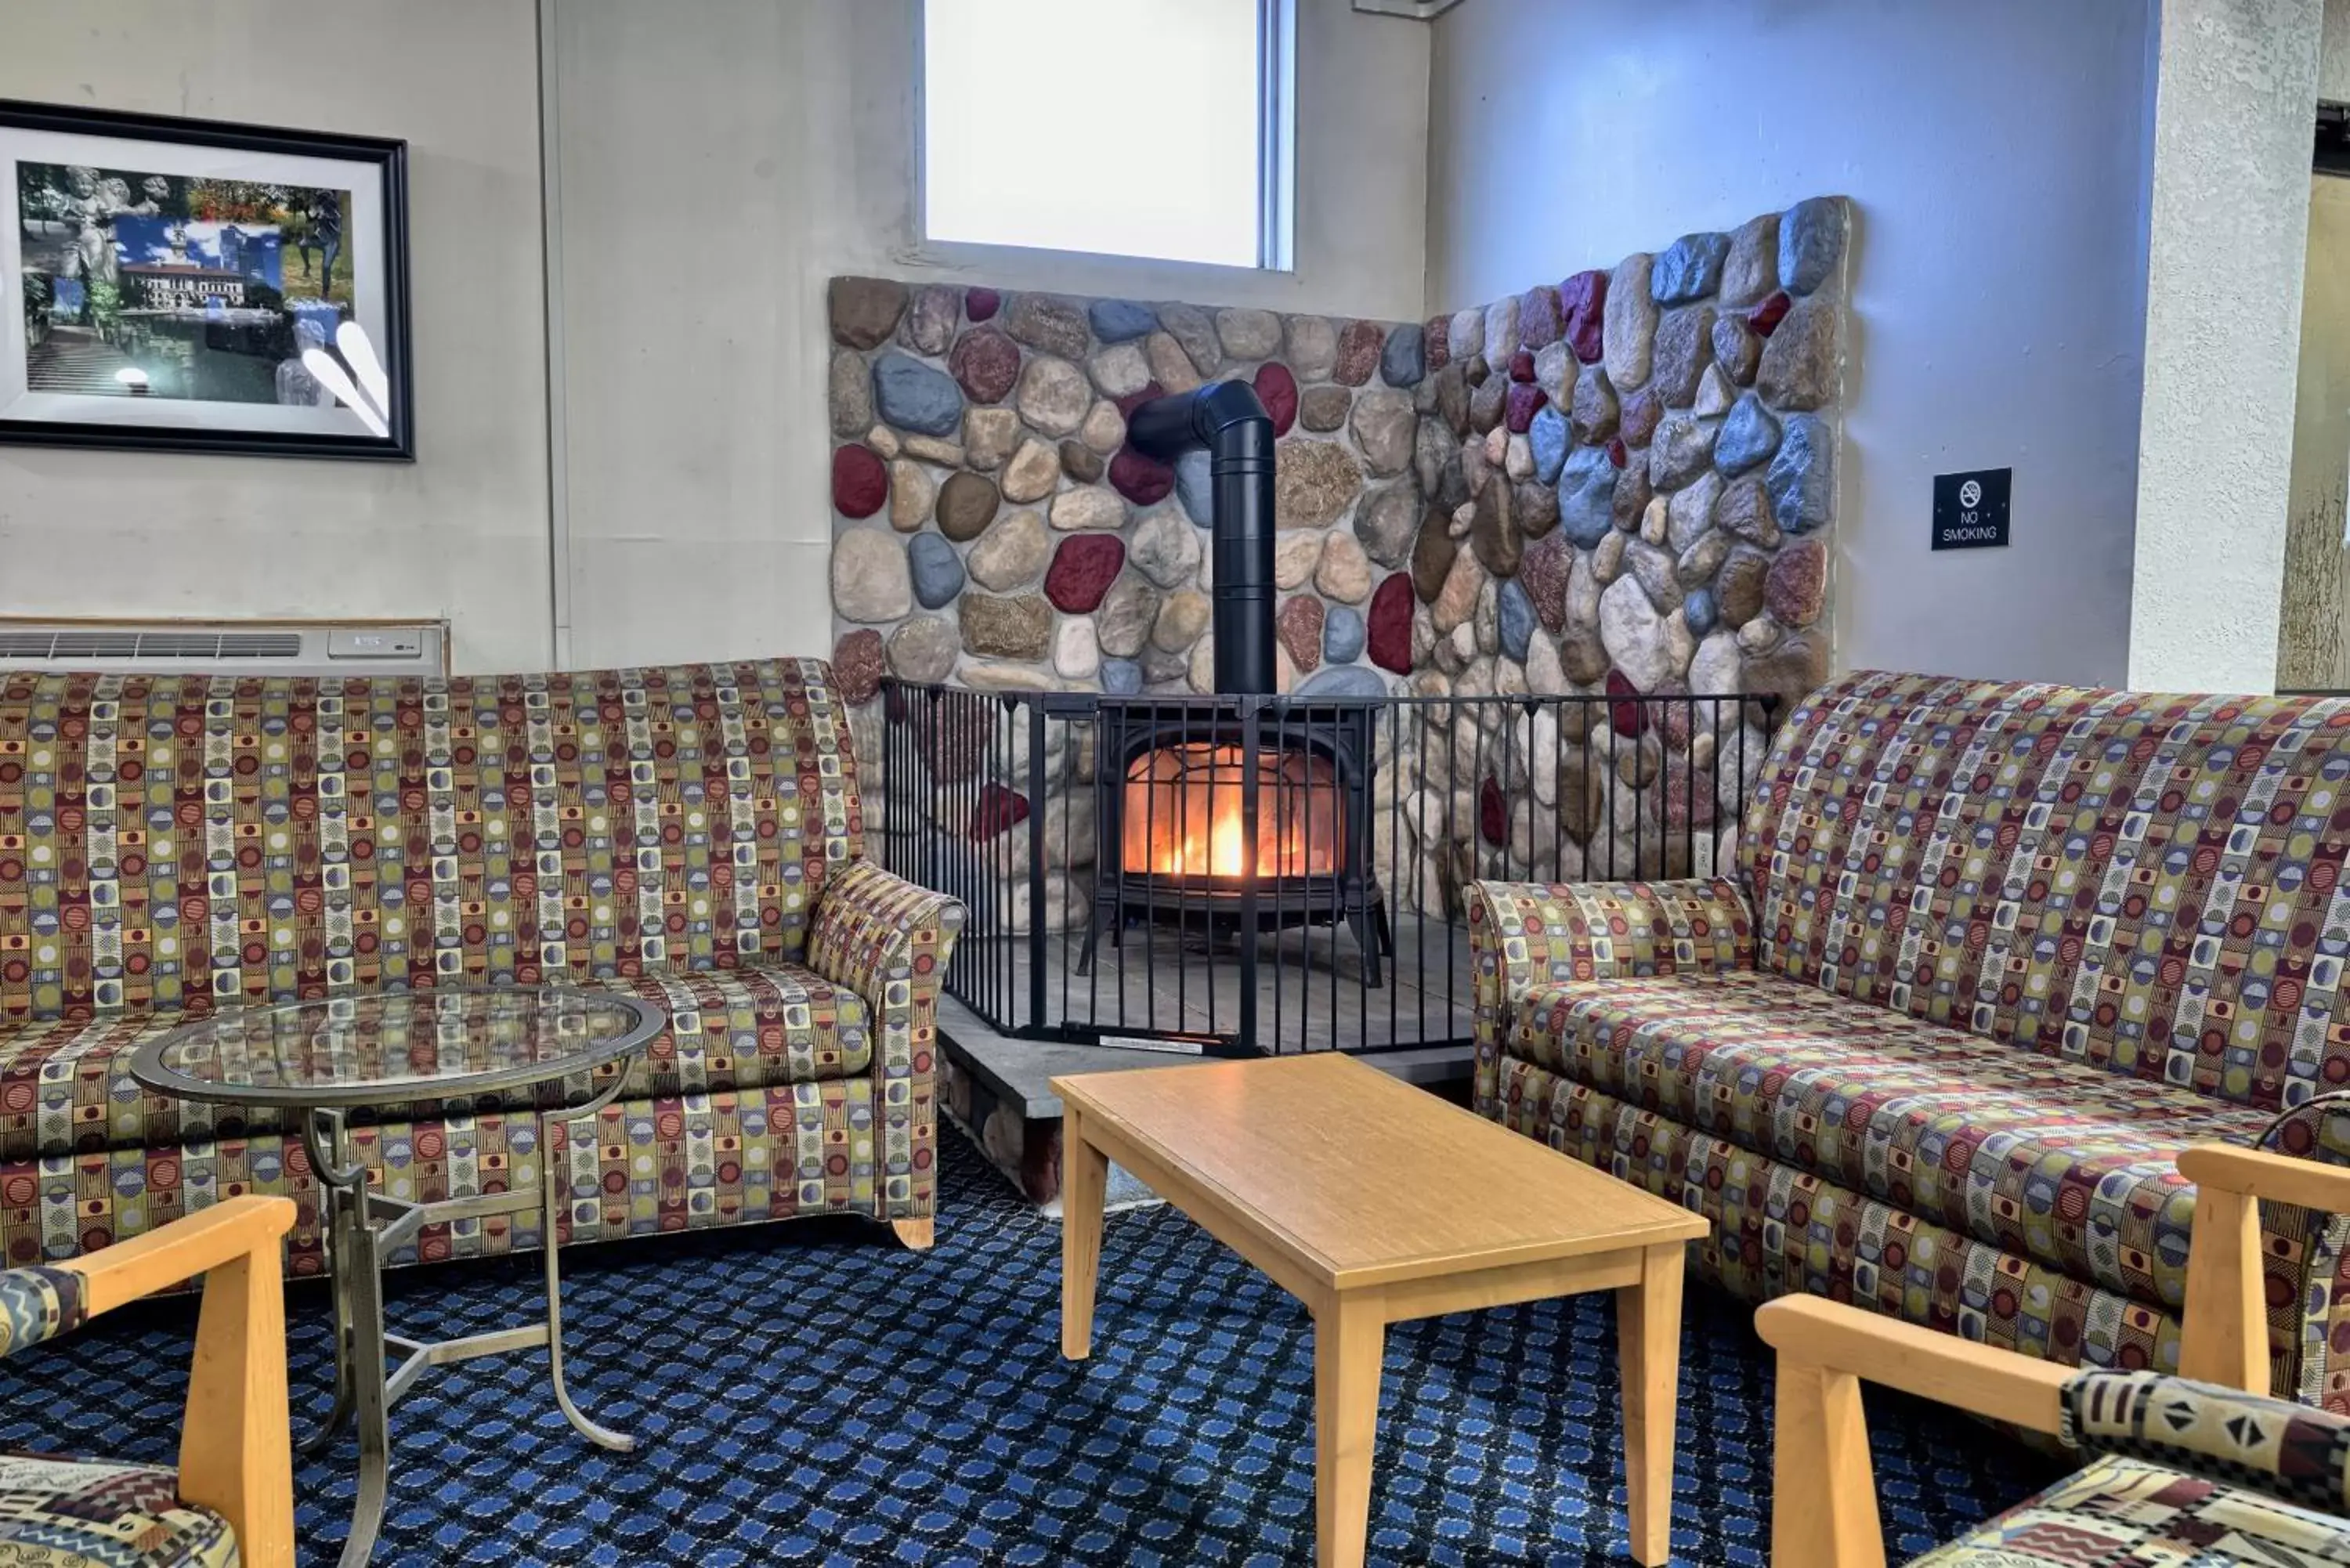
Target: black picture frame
386 158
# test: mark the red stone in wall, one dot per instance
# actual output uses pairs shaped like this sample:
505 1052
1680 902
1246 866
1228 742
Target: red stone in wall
860 483
1082 571
1389 625
1276 389
1583 304
1142 479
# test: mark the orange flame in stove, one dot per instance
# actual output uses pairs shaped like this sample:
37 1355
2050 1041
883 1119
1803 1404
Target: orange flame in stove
1183 811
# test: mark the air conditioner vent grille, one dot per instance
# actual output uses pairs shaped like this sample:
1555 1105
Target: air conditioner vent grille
187 648
177 647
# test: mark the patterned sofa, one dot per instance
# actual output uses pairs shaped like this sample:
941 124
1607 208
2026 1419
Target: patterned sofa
1992 955
691 836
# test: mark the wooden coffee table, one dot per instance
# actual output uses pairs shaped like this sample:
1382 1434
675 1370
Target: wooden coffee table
1374 1202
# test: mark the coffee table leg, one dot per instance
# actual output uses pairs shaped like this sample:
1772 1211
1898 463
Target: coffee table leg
1649 1355
1349 1341
1085 1176
374 1417
552 1189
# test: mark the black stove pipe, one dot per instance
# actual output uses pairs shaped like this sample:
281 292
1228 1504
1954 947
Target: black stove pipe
1225 420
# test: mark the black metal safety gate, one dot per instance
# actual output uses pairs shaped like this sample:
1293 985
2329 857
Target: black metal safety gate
1303 861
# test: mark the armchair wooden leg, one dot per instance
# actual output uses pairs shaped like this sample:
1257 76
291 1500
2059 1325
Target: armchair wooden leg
1823 1493
917 1234
236 1455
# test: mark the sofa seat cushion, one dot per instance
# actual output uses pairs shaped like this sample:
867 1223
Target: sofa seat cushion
649 1168
2046 1157
66 1085
93 1513
2130 1510
749 1028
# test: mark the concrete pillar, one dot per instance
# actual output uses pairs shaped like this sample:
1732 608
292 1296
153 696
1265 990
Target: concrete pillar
2236 91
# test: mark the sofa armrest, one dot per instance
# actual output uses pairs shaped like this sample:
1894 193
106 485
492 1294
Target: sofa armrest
889 940
1524 934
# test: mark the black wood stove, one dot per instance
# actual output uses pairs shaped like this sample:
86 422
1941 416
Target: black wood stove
1248 810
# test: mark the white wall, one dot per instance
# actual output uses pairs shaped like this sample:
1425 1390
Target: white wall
2333 53
1995 154
460 533
717 163
714 164
2230 224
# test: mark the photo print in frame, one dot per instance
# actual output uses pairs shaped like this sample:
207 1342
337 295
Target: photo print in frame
198 286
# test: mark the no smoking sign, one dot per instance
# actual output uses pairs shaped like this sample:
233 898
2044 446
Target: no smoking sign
1970 509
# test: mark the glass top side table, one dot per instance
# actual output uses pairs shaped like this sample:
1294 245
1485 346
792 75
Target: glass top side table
320 1059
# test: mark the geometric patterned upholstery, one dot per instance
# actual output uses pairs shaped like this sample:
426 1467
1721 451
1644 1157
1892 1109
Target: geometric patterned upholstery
1989 956
2182 1473
39 1303
1606 931
1779 1228
66 1085
889 938
91 1513
2044 1158
171 846
2226 1434
2123 1512
2142 881
188 842
686 1162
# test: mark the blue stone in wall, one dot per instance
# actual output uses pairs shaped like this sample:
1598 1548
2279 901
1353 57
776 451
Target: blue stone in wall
1342 635
1690 269
1116 320
1587 496
1342 681
1404 361
1548 436
1802 480
1514 618
913 396
1195 487
936 570
1122 677
1700 610
1811 241
1748 436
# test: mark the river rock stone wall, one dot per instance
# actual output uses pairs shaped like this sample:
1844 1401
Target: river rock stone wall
1621 482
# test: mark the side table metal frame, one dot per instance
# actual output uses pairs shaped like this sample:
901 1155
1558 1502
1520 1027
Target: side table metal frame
362 1229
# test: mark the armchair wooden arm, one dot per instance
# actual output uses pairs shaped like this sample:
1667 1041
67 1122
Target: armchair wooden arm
2226 1325
1824 1496
1824 1502
236 1455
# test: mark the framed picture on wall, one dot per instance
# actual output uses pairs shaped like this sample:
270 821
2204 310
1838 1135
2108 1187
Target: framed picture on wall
195 286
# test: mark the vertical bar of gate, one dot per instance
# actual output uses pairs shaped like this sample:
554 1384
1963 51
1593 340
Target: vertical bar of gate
1689 791
1185 883
1068 860
1420 875
1036 836
1279 826
1250 751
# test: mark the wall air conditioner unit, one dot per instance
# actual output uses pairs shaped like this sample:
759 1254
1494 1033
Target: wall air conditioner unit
227 647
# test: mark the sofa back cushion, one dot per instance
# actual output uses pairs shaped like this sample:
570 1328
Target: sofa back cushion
2147 882
197 841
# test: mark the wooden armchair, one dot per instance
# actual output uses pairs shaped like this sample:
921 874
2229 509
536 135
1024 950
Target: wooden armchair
232 1498
2185 1462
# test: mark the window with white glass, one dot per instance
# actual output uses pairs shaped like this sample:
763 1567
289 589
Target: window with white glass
1135 127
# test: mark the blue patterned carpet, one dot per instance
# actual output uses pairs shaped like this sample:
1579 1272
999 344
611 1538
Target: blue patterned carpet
812 1394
